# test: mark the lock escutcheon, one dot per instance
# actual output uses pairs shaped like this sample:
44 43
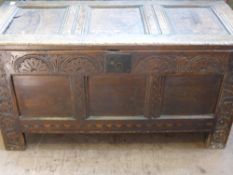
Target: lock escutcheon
117 62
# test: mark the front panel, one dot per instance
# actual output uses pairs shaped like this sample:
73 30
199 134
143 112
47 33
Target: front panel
116 95
43 95
191 94
152 85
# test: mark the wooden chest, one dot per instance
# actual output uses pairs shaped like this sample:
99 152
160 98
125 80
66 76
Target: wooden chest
116 67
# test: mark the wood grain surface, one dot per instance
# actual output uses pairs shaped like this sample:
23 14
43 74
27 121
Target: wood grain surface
146 22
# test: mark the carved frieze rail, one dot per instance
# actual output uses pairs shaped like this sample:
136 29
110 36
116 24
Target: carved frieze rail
182 64
36 63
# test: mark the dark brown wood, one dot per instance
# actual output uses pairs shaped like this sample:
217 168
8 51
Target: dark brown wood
224 112
12 135
144 100
119 126
149 72
191 94
116 95
54 99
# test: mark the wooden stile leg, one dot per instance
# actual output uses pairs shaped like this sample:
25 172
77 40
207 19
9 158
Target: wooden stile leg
12 136
14 140
224 115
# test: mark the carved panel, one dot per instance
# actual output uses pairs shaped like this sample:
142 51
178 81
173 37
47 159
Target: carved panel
77 66
158 65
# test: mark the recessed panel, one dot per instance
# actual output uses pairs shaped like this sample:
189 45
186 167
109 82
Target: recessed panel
36 21
194 20
191 95
43 96
116 20
116 95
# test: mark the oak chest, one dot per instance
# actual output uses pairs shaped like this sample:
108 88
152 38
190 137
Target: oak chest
116 67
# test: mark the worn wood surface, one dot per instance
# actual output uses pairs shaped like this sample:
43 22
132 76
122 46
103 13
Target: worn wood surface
146 22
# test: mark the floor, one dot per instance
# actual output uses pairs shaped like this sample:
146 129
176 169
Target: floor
179 154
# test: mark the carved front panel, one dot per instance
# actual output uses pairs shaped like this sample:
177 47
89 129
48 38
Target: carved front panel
182 83
52 85
77 85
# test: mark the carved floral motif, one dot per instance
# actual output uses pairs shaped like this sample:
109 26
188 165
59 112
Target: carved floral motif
81 65
31 64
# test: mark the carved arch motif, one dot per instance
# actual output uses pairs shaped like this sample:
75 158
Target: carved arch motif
181 63
32 64
80 64
155 64
35 63
202 64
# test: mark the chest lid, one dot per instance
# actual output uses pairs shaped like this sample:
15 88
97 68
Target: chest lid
116 22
